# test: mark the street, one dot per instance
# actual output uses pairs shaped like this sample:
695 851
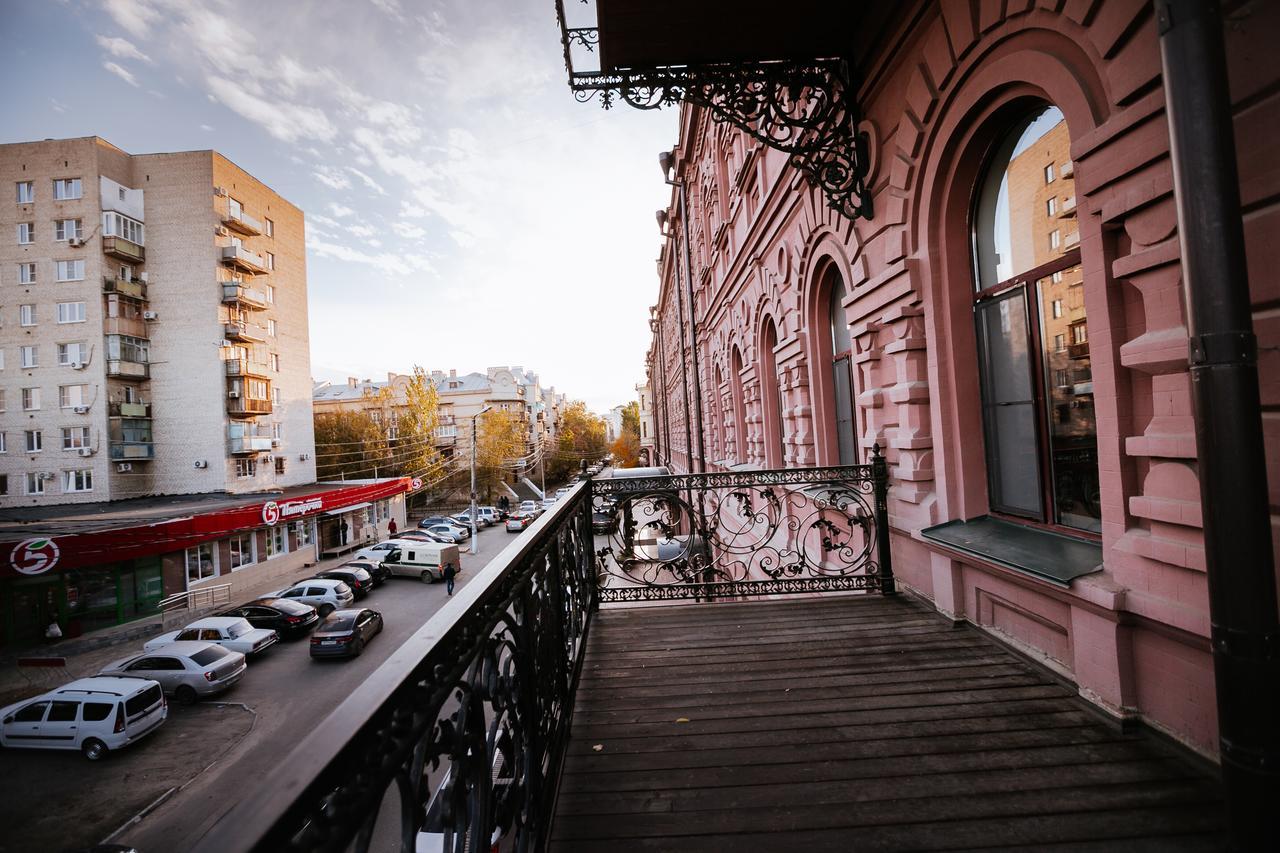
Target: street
241 734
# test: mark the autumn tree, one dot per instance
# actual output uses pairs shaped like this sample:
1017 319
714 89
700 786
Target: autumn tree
582 435
417 418
500 443
350 446
626 448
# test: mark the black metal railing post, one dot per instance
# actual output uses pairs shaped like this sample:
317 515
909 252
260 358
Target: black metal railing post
880 477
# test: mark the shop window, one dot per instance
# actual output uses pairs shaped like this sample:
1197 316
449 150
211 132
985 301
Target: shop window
303 533
1040 433
277 541
200 563
242 550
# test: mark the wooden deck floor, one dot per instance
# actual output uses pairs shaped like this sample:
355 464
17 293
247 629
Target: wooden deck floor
848 724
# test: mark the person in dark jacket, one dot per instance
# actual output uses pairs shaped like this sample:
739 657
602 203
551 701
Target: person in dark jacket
449 573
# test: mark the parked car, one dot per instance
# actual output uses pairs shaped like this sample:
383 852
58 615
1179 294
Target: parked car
518 521
421 536
94 715
464 518
344 633
423 560
231 632
451 532
433 519
531 507
373 567
360 581
287 618
324 595
603 523
561 492
493 512
548 503
186 670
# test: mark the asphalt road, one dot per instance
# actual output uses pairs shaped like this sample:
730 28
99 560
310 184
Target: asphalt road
289 694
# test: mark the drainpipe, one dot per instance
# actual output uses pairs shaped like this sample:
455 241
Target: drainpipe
693 332
684 364
1228 417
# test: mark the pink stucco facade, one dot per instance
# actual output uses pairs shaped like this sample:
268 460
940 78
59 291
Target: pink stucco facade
936 89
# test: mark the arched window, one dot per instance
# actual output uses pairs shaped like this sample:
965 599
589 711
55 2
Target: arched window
841 369
1040 429
770 397
720 415
739 407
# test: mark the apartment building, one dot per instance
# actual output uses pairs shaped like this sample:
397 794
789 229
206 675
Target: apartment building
153 327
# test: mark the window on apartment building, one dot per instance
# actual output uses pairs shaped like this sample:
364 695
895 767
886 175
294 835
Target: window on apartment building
73 438
118 225
234 208
2 405
135 430
268 227
246 468
272 329
70 271
26 192
80 480
65 189
128 348
66 229
26 233
242 552
70 312
72 353
4 484
1036 427
26 315
277 540
277 431
258 389
27 273
70 396
275 362
275 396
279 465
271 260
29 356
35 483
34 440
1051 206
30 399
4 443
200 563
271 294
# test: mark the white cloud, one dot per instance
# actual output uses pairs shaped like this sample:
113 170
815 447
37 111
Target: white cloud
58 106
391 263
362 231
208 128
332 178
409 231
286 122
368 181
122 49
136 16
340 210
122 73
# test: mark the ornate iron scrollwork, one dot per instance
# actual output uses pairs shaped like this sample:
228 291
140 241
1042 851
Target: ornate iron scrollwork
806 109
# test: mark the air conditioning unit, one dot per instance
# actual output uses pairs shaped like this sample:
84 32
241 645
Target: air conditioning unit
86 451
150 315
124 466
47 475
75 242
142 277
77 365
220 191
225 343
81 410
275 442
221 231
233 394
200 463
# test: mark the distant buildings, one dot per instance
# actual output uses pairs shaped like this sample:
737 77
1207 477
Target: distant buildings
648 438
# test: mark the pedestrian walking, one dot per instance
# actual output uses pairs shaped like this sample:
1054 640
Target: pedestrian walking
449 573
391 528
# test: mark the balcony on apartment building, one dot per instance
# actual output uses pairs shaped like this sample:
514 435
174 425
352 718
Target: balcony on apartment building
235 293
132 288
243 332
242 223
133 451
240 406
123 368
1067 209
240 258
249 438
129 410
1068 170
677 679
133 326
124 250
247 367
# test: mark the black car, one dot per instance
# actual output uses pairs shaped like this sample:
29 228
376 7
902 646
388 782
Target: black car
343 633
375 569
287 618
359 579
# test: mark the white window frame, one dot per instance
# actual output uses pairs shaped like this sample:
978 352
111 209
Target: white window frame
66 310
60 231
212 564
1048 174
277 541
275 362
125 227
77 480
29 355
34 484
1051 206
31 395
72 270
67 189
4 443
246 469
33 441
26 191
272 329
271 294
65 358
65 395
26 233
75 437
27 315
268 227
27 272
1055 239
271 260
241 538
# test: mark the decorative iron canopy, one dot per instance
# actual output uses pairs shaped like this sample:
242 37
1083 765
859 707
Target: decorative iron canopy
779 78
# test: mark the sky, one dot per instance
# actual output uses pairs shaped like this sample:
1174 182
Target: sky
463 210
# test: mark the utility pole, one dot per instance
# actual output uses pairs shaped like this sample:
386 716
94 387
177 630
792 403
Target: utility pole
474 510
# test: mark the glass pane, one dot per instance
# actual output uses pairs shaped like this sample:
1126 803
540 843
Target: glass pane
840 339
1009 409
1073 428
1012 220
845 430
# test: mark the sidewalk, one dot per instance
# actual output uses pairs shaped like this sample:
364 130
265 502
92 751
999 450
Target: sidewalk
87 654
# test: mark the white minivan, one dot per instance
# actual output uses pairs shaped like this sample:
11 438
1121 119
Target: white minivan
422 560
94 715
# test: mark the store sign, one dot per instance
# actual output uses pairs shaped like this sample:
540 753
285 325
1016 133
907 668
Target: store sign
416 484
34 556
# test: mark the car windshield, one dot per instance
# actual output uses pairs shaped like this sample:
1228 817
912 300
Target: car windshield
290 608
239 629
338 622
204 657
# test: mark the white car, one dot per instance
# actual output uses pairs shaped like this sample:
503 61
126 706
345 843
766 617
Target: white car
230 632
464 520
548 503
93 715
378 553
562 492
532 507
451 532
186 670
324 595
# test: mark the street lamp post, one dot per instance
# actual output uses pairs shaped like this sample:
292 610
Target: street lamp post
474 510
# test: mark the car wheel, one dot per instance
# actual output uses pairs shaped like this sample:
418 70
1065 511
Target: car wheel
94 749
356 648
324 610
426 576
185 695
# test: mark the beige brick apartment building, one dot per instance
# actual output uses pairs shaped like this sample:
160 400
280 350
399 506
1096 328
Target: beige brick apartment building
153 327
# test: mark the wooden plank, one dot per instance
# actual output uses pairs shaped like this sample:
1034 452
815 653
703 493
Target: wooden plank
698 640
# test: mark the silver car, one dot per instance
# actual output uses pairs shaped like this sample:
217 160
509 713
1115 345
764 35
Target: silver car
186 670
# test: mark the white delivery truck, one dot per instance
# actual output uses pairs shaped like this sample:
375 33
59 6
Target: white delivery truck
422 560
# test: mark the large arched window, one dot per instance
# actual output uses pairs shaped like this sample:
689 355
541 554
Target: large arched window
1040 429
739 406
841 370
717 408
770 396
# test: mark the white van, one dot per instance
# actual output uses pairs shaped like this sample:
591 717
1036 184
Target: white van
94 715
422 560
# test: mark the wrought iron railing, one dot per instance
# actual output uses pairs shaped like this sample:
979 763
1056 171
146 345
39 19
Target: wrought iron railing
455 742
